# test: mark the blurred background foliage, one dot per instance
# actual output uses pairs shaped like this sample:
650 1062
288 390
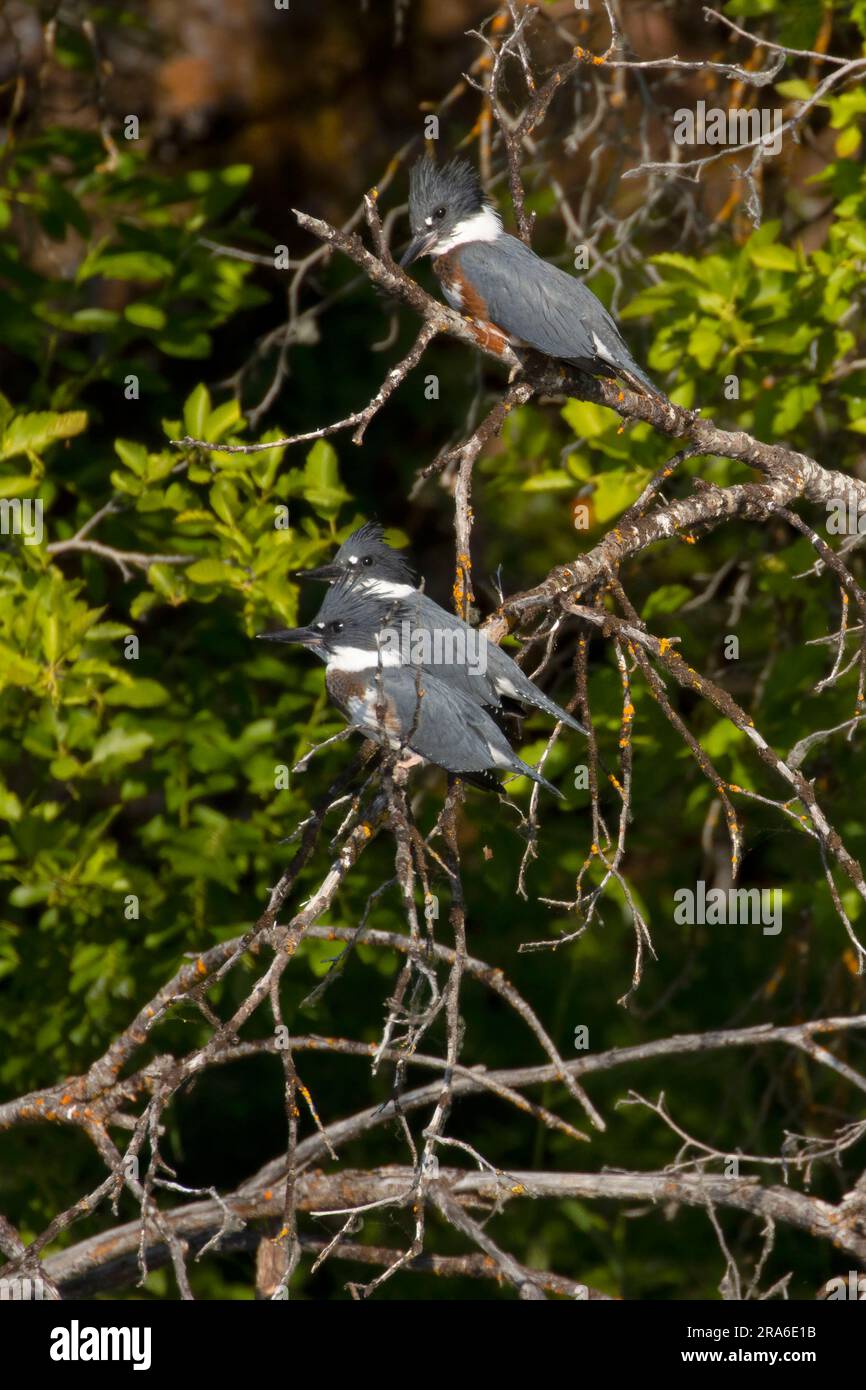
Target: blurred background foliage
154 776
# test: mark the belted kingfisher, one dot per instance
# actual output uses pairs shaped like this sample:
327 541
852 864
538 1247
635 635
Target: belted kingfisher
498 282
456 654
404 708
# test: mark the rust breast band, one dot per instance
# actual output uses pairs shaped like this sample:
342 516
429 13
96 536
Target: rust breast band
449 272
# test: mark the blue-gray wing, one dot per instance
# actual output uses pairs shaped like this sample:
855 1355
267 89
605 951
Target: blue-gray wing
462 657
542 305
450 649
443 725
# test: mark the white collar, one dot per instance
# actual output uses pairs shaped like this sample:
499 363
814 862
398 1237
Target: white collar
387 588
485 225
361 659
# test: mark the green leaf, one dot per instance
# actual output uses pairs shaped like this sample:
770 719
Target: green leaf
34 432
224 500
721 738
796 88
196 410
130 265
322 479
615 490
673 260
795 403
16 669
145 315
10 806
588 420
166 581
705 344
222 419
108 632
211 572
554 480
133 454
120 745
773 257
92 320
193 345
322 469
667 598
848 142
141 694
18 485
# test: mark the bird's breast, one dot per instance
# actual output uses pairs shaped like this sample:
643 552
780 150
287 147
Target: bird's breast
463 294
344 687
459 290
367 704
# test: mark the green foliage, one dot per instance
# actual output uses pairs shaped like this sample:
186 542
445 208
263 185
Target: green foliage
133 226
795 21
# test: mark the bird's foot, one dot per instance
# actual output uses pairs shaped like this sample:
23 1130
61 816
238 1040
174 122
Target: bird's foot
409 760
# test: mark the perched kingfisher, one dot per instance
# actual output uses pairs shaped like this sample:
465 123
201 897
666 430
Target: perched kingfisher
402 707
441 643
499 283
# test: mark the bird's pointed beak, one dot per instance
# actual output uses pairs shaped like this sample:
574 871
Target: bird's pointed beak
322 572
420 245
302 636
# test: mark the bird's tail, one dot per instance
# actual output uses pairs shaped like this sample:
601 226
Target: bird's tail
525 770
638 380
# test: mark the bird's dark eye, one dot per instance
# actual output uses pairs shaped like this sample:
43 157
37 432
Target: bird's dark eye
337 627
367 560
438 214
